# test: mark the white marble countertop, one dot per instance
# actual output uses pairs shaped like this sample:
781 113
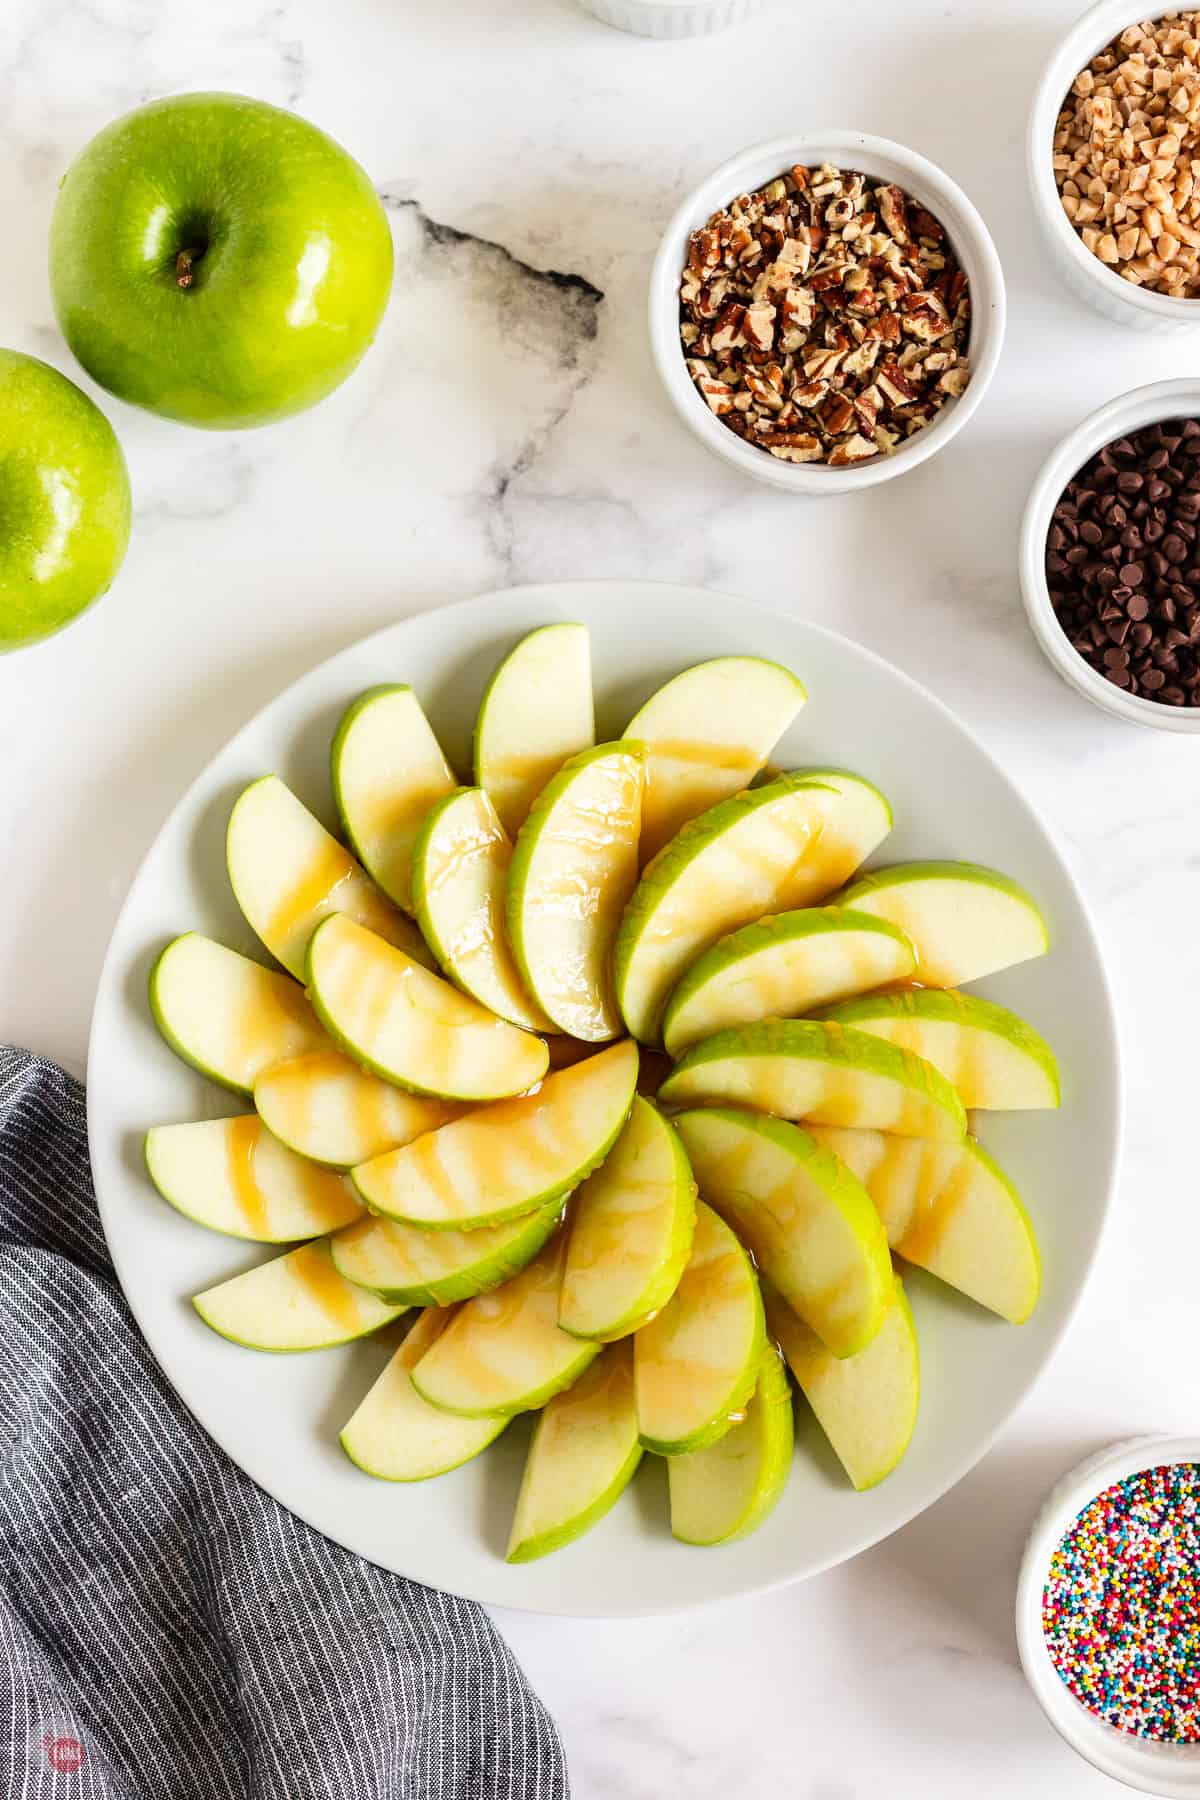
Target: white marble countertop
506 428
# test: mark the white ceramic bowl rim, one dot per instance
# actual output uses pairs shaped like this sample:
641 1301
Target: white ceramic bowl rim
1159 400
1090 33
876 156
1171 1770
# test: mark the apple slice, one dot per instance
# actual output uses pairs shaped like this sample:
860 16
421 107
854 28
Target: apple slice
696 1362
802 1069
295 1302
409 1264
631 1231
583 1455
460 869
866 1404
965 921
574 867
503 1352
509 1159
288 873
805 1218
324 1107
994 1059
397 1436
228 1016
536 712
726 1491
856 819
411 1027
783 967
707 733
233 1176
949 1209
387 769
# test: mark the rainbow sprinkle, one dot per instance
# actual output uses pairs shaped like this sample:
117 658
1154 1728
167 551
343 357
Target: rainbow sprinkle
1121 1606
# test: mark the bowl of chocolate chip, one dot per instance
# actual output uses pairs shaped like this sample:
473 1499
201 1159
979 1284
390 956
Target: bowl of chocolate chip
1110 557
826 311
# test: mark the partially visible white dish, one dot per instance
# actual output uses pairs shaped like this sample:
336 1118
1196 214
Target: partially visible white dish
673 18
278 1417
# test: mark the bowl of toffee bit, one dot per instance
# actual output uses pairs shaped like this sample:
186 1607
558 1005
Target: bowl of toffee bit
826 312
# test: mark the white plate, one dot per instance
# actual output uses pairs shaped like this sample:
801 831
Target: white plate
278 1417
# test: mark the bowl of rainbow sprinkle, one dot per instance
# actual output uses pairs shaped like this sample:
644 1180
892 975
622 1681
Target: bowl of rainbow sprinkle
1108 1612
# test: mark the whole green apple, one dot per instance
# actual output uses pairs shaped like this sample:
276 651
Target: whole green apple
218 260
64 501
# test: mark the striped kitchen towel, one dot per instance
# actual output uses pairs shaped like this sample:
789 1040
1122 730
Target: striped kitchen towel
167 1632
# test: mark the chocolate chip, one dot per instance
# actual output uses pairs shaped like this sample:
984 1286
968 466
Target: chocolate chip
1139 607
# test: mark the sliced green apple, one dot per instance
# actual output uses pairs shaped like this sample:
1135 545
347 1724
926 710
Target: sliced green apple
288 873
582 1456
726 1491
397 1436
512 1158
295 1302
503 1352
411 1027
696 1362
233 1176
324 1107
803 1069
388 769
574 867
707 733
966 921
949 1209
460 869
410 1264
993 1058
228 1016
855 820
866 1404
805 1218
783 967
537 711
631 1231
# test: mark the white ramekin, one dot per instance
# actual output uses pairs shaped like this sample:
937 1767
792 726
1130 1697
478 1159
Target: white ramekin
1086 276
1172 1770
1177 399
672 18
884 161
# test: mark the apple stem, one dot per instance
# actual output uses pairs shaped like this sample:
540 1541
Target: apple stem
184 276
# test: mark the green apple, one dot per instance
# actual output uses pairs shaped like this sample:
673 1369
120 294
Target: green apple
726 1491
233 1176
707 734
419 1267
949 1209
866 1404
288 873
227 1016
583 1455
784 966
696 1362
324 1107
573 869
64 501
993 1058
805 1218
631 1231
503 1352
387 769
802 1069
397 1436
502 1161
411 1027
295 1302
460 864
536 713
218 260
966 921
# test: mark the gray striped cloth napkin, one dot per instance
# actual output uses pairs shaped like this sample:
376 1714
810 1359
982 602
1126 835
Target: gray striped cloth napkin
167 1632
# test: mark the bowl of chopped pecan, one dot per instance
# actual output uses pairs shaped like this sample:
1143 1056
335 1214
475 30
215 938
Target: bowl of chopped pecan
826 311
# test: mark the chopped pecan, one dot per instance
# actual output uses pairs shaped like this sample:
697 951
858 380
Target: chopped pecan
895 384
893 210
854 449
